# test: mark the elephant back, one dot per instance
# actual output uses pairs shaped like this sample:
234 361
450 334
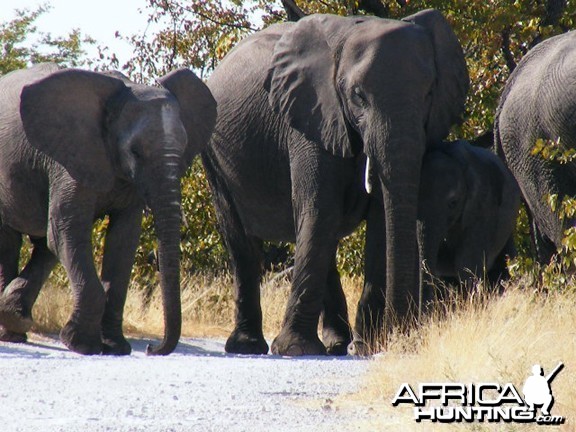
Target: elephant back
556 97
237 85
12 83
247 61
537 101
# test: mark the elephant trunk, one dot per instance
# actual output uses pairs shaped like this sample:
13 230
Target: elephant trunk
399 160
165 203
402 280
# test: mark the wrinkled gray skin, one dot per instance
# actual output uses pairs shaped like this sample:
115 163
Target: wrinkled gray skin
539 102
467 212
300 105
78 145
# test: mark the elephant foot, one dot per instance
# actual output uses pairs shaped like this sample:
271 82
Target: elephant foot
359 347
339 348
243 342
77 339
14 322
289 343
117 346
335 342
12 316
10 336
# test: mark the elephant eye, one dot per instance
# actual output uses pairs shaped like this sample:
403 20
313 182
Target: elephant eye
136 151
452 203
358 96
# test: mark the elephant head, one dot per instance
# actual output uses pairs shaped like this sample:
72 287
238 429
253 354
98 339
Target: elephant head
112 134
467 208
385 88
448 198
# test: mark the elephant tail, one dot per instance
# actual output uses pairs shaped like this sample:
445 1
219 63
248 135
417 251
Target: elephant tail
497 138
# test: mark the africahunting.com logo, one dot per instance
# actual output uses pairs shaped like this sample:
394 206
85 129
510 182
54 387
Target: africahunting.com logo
484 402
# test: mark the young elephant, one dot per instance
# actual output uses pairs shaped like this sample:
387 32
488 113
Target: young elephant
75 146
467 211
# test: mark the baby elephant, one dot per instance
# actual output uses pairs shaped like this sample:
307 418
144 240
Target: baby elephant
75 146
467 211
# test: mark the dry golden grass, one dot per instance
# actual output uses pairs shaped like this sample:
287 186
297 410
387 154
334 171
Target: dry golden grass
488 338
207 307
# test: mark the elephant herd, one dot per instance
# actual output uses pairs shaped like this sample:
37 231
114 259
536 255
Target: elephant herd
305 130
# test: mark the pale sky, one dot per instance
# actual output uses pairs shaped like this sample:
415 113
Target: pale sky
99 19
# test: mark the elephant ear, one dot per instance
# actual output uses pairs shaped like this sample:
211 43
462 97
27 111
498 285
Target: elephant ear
63 117
301 85
452 82
197 108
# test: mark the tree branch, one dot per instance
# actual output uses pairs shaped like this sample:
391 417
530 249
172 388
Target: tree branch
226 24
376 7
508 56
293 12
554 11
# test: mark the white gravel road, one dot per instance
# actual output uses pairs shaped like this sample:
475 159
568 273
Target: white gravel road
44 387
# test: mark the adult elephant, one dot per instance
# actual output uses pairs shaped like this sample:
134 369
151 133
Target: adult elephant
300 106
75 146
539 102
467 209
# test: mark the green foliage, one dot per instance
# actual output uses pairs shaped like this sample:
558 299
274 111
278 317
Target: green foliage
195 34
17 50
66 51
524 262
201 244
566 210
553 151
350 257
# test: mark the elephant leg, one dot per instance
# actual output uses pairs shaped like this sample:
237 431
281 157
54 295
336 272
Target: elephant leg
10 245
122 238
369 322
317 201
499 270
246 265
539 179
246 261
336 333
21 294
545 248
315 253
70 239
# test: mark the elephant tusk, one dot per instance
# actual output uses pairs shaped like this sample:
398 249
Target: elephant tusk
367 182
